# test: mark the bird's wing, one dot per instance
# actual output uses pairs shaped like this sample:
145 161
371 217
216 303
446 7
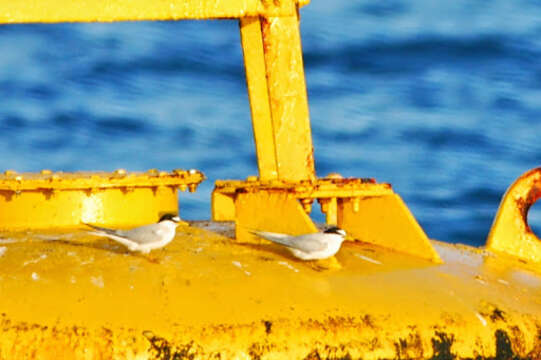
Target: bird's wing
144 234
306 243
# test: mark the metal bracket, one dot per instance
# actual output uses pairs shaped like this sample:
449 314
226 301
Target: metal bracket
368 211
510 232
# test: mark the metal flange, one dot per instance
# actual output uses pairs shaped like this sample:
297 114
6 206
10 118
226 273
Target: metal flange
63 200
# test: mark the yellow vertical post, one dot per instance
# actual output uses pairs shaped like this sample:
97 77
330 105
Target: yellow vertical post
288 99
256 81
331 216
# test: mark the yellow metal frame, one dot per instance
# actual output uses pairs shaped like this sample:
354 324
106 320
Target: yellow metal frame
271 44
280 199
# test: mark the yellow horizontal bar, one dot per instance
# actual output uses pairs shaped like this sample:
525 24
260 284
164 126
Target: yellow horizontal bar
321 188
52 11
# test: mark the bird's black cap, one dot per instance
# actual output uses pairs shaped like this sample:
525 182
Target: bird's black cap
334 230
171 217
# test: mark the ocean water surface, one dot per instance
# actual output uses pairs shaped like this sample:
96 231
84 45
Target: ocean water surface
441 99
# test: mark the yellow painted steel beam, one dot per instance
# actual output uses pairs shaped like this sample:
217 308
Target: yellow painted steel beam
288 99
277 91
510 232
256 80
51 11
75 296
48 200
320 188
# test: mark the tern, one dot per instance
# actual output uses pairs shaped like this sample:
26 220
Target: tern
314 246
144 238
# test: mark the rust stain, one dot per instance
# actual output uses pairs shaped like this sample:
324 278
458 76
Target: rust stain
310 165
237 186
410 347
525 203
492 312
509 343
265 29
441 345
162 349
268 326
511 232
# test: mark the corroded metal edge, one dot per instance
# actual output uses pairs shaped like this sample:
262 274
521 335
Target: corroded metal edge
47 180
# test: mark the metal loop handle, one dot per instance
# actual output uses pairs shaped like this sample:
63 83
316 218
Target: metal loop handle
510 232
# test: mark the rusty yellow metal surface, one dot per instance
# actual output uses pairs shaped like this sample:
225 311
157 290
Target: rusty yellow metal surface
50 11
258 92
69 295
316 189
510 231
368 211
288 98
278 100
63 200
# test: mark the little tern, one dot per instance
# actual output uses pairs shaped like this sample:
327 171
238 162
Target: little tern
143 238
314 246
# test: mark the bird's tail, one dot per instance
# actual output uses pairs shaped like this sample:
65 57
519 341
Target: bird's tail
101 230
274 237
113 235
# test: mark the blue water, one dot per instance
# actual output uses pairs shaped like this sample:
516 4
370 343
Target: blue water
441 99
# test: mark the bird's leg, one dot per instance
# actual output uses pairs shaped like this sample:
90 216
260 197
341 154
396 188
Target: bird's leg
326 264
148 257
